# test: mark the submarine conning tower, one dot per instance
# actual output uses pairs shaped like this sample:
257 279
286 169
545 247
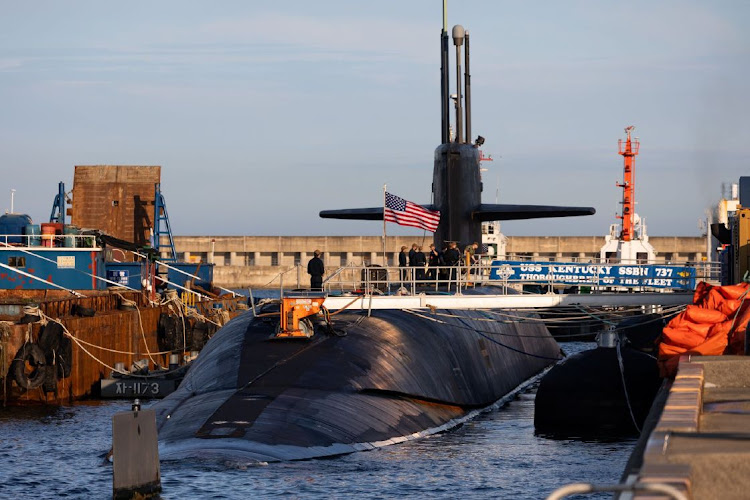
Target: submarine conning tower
456 181
457 184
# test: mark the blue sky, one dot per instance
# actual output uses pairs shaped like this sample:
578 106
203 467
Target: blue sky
261 114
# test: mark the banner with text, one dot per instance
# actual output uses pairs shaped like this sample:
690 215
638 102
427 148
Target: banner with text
619 275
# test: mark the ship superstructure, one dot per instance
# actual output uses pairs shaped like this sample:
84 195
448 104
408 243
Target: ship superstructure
627 243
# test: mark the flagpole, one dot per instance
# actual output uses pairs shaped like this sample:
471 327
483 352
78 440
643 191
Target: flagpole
385 259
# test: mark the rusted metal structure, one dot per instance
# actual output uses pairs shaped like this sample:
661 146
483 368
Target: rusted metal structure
112 334
117 199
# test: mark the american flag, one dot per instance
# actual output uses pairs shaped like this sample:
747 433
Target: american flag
406 213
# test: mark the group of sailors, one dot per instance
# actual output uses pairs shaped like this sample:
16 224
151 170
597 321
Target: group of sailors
413 264
427 266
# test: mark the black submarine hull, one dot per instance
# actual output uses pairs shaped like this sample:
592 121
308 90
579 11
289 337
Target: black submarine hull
374 381
584 395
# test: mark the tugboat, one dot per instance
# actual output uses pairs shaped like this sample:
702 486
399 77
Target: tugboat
284 383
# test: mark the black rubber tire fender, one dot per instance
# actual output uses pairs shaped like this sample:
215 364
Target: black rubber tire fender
50 337
79 310
50 378
64 358
32 354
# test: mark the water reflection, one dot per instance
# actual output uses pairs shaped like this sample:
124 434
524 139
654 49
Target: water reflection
49 452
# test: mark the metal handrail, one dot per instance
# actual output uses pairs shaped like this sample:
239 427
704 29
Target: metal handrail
408 280
338 272
11 240
404 280
280 275
577 488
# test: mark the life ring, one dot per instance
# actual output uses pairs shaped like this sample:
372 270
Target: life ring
30 355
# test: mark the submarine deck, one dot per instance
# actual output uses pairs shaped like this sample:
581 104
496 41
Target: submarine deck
373 380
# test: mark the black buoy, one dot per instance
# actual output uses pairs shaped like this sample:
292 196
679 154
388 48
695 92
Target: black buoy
584 395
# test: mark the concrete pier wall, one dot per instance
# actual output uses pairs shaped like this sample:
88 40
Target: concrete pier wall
258 261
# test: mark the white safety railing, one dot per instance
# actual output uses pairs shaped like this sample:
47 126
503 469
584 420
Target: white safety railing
527 277
42 241
403 280
280 277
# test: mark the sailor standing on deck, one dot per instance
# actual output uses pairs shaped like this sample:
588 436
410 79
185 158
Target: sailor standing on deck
452 257
434 260
469 253
420 262
316 269
413 255
470 257
402 264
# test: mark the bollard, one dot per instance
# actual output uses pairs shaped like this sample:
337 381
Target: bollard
174 362
135 454
608 338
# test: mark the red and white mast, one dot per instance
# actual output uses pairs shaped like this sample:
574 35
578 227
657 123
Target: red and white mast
630 245
629 152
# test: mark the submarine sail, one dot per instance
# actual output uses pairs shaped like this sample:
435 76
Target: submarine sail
456 180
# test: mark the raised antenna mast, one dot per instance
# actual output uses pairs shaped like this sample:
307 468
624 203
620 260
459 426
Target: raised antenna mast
467 85
444 79
458 40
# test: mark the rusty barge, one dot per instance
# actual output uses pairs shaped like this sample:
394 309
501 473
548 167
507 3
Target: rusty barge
89 347
80 305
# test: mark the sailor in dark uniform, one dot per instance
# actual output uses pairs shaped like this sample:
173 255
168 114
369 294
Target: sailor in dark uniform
420 262
434 260
316 269
413 255
402 263
452 257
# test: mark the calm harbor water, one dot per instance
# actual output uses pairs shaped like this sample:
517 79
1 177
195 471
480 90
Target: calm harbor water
59 452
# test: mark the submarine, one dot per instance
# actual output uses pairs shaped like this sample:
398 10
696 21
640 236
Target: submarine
605 392
359 381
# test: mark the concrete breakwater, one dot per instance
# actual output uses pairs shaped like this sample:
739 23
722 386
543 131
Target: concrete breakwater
257 261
